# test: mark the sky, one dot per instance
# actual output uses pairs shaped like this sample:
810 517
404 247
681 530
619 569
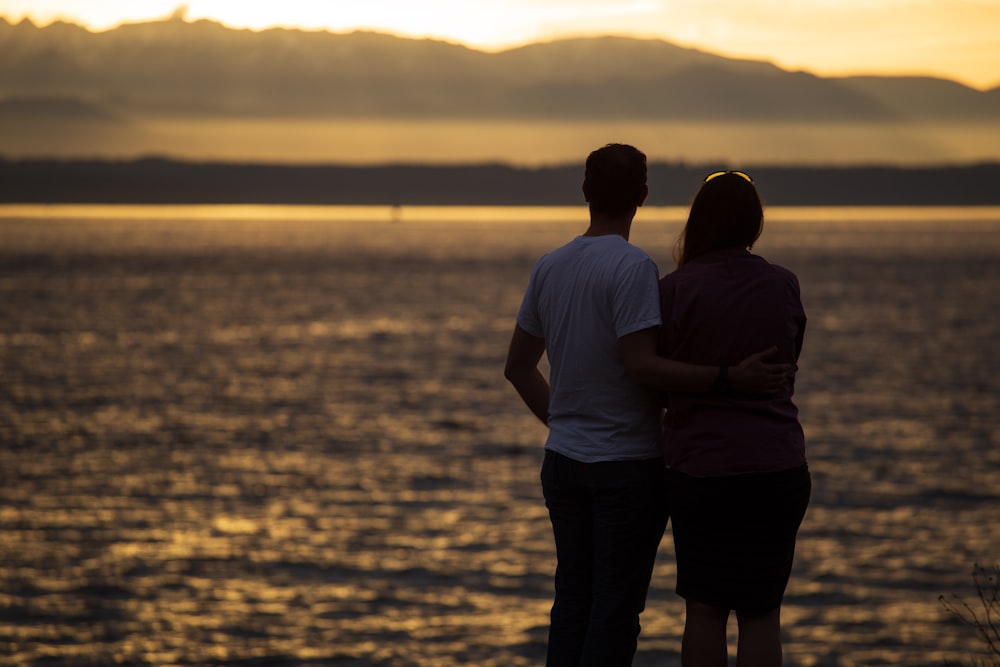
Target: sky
955 39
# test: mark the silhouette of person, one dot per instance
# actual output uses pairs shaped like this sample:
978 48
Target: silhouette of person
592 306
738 482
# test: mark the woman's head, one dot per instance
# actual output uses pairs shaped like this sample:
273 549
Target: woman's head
726 213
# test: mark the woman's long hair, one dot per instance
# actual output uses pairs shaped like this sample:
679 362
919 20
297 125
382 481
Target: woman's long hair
726 213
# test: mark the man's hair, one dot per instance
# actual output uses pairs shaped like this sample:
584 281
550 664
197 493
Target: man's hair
615 179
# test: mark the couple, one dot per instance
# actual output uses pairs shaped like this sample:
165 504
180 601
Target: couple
646 372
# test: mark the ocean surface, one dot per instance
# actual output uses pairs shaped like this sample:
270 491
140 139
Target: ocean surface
281 436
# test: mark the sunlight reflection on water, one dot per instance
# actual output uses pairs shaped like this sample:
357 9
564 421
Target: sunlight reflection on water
283 436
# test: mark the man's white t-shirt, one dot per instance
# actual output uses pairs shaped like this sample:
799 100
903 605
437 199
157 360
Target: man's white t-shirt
581 299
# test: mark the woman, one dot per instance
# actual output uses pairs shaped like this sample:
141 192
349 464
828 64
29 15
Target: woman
739 483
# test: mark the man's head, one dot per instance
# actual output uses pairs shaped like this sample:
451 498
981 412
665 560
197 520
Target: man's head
614 183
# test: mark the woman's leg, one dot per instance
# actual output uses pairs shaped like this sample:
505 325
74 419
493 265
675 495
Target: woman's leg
704 643
760 639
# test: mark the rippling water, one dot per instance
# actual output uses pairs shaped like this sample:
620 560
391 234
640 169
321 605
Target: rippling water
282 436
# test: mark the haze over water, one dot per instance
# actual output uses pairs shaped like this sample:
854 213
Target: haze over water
243 436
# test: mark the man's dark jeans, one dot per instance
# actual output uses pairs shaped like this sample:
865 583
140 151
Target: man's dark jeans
608 519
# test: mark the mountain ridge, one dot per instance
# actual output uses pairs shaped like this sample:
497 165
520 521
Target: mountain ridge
203 68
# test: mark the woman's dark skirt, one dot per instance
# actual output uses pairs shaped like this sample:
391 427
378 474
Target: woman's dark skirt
734 536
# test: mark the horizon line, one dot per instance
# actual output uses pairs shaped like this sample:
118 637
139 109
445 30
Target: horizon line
503 164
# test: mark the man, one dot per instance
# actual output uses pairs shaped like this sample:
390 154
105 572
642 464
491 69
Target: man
593 307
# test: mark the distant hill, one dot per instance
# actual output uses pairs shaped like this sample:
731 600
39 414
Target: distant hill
202 68
927 98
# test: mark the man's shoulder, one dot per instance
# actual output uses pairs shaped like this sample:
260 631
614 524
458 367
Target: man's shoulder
620 247
556 252
609 247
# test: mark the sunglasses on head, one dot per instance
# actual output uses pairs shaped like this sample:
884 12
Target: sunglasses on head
716 174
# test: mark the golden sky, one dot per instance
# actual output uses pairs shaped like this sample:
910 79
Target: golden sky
956 39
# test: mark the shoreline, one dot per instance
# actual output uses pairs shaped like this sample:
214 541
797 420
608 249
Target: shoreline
170 181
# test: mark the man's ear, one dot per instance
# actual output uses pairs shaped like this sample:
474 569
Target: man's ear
586 195
645 193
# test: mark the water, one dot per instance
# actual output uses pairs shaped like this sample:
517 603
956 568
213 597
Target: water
269 436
